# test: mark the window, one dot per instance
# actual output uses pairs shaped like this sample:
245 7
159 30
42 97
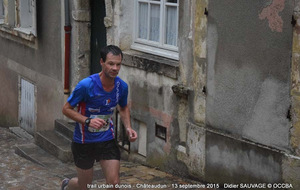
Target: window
156 27
1 12
19 15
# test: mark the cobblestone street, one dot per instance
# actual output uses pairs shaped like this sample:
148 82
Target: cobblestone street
18 173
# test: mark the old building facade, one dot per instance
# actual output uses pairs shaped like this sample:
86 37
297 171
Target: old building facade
214 84
224 105
31 47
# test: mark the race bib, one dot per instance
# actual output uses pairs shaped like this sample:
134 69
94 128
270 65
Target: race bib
106 118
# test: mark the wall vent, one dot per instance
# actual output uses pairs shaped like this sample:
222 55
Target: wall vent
161 132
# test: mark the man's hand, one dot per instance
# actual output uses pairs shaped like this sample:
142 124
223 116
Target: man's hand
125 117
132 135
97 123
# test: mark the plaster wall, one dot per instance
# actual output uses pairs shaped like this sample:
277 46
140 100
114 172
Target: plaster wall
248 78
151 102
32 60
232 161
9 100
267 89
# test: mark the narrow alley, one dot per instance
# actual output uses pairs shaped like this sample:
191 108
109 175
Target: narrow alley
18 173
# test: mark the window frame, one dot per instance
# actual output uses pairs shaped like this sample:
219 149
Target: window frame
2 12
159 48
12 22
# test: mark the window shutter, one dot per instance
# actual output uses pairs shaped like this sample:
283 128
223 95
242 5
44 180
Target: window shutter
10 17
33 9
1 9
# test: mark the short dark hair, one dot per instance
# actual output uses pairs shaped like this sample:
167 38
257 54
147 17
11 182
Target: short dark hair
115 50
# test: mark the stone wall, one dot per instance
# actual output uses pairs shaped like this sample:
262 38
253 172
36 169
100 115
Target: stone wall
80 57
201 139
291 162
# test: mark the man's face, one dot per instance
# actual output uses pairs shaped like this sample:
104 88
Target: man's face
112 65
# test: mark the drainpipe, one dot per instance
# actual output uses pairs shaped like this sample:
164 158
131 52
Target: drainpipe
67 28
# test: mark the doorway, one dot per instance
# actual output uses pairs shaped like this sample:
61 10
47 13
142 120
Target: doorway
98 33
27 106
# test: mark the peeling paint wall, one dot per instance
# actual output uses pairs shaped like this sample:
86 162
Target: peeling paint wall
193 70
249 85
199 62
291 163
249 70
295 83
271 13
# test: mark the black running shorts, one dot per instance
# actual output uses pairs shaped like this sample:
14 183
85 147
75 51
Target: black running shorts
86 154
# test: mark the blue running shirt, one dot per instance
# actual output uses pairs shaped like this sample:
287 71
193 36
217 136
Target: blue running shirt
93 101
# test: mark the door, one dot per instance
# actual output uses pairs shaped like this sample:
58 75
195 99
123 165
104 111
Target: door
142 147
98 33
27 107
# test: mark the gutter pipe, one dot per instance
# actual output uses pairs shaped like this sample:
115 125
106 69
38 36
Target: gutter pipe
67 29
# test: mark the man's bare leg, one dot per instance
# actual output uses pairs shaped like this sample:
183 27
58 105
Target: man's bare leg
80 183
111 169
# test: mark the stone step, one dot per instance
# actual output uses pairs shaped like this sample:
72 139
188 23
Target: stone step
56 144
35 154
65 128
20 132
39 156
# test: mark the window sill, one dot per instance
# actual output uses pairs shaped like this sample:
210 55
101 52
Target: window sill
170 53
151 63
17 35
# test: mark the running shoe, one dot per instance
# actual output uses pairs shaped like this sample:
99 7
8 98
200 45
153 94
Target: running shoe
64 183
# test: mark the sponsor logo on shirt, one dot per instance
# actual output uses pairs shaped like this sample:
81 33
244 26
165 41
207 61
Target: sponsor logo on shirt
94 110
107 102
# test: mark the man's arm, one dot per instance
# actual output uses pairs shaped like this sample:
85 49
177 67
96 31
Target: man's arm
69 111
125 117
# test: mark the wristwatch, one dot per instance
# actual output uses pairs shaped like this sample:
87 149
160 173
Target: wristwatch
87 121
